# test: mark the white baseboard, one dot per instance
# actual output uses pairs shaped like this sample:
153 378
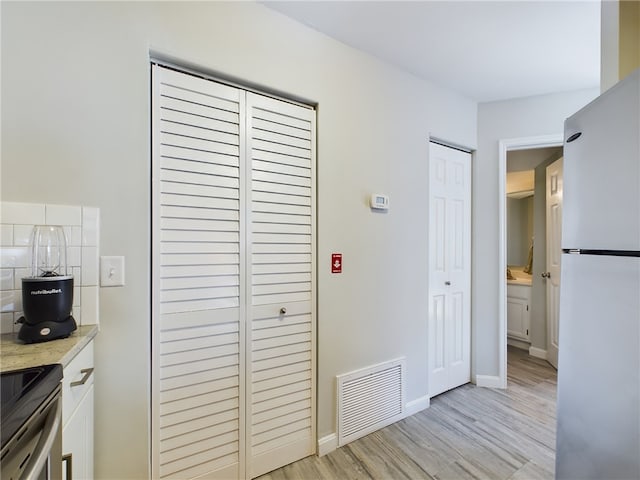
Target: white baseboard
538 352
417 405
521 344
327 444
488 381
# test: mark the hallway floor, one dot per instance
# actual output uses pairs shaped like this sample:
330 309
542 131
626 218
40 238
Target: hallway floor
466 433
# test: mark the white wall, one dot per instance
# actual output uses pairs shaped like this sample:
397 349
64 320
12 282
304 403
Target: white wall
518 118
75 130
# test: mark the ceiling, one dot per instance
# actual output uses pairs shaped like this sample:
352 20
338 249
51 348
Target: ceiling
528 159
485 50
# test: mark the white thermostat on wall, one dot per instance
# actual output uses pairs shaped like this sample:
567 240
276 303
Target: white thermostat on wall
379 201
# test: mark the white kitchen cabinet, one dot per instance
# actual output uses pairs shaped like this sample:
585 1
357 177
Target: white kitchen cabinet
77 416
518 311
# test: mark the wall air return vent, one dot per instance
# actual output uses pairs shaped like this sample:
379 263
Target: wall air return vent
369 399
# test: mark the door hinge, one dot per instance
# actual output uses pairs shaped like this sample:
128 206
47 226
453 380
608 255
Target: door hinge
527 308
527 331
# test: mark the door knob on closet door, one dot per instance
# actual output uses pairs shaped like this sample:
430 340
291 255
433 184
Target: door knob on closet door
447 283
283 310
545 274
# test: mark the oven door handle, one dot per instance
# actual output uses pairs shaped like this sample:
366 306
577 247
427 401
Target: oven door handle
48 437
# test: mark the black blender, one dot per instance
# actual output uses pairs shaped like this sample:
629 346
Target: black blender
47 295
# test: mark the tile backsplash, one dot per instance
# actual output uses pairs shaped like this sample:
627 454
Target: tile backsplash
82 229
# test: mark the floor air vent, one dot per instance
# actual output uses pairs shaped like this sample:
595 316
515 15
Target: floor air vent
369 399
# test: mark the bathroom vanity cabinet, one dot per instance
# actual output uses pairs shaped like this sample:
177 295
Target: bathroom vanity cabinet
518 311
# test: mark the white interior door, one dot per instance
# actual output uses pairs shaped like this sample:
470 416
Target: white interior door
197 348
281 380
233 290
449 268
554 255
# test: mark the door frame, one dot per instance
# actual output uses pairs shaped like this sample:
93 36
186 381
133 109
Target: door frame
504 146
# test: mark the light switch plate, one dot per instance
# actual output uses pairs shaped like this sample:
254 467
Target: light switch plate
111 271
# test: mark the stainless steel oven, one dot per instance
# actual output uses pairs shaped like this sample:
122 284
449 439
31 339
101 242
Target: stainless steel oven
31 424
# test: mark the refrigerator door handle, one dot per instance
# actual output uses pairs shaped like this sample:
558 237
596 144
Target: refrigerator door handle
605 253
573 137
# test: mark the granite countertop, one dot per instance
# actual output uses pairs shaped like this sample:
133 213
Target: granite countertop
15 355
520 278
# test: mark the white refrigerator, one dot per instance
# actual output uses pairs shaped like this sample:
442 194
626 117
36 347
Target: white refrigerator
598 427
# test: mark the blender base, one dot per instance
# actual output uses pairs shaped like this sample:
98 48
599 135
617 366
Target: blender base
45 331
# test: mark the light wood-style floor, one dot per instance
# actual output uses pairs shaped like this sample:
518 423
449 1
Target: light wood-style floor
466 433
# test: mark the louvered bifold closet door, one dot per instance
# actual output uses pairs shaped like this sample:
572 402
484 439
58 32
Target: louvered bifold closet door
281 382
198 373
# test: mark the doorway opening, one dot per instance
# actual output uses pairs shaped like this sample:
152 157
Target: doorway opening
515 146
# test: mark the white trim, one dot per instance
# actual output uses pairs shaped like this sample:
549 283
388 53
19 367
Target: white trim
417 405
154 215
327 444
538 352
489 381
446 143
521 344
505 145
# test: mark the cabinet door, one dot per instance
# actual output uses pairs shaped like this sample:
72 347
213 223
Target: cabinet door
518 315
281 380
197 280
517 318
78 441
77 415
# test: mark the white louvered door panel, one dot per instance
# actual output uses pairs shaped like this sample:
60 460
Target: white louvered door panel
198 333
281 382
